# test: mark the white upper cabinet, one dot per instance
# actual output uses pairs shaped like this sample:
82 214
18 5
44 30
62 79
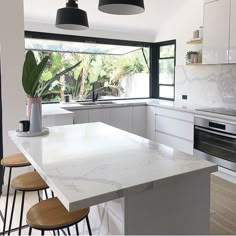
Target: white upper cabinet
232 51
216 32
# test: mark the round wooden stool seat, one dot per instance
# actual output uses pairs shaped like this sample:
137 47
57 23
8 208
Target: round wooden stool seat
17 160
30 181
51 214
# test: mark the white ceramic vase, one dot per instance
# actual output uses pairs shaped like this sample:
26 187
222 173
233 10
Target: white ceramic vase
35 118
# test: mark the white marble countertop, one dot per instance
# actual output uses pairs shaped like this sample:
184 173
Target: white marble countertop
88 164
119 103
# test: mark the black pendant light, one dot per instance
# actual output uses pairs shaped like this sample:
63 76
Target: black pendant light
121 7
71 17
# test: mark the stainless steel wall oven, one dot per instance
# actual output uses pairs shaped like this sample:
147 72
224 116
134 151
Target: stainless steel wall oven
216 142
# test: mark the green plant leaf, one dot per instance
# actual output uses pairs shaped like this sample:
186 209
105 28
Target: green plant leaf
29 65
47 85
46 76
36 74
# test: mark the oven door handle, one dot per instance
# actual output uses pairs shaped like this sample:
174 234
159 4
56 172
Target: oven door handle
215 132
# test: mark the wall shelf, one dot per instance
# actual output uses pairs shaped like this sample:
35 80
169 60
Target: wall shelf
195 64
195 41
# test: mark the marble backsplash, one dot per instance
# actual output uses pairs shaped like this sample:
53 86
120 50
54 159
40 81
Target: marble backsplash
207 85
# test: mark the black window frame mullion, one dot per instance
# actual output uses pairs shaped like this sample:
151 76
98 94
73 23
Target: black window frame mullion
166 58
155 68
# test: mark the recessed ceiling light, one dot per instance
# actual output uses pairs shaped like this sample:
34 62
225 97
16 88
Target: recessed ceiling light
122 7
71 17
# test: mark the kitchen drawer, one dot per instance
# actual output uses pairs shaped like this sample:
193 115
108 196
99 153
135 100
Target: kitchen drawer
175 114
174 142
175 127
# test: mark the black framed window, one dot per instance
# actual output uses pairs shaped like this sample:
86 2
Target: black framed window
109 70
163 70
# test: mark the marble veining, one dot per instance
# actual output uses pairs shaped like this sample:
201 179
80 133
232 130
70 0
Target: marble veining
207 85
88 164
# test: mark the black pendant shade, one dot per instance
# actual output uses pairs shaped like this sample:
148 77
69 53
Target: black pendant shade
121 7
71 17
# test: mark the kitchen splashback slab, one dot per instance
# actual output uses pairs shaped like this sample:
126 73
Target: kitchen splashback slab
207 85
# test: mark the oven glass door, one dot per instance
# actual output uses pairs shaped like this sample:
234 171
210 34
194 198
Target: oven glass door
215 144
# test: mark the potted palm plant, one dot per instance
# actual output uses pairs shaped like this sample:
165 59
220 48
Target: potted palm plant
31 75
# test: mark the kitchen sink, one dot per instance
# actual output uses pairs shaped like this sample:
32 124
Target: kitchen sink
95 103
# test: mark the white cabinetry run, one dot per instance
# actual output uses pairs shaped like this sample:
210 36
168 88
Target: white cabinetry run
57 120
175 129
131 118
81 116
216 35
121 118
150 131
139 120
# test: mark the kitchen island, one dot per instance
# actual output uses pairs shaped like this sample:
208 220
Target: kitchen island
134 185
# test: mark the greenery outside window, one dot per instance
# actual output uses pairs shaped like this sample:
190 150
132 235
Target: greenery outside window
111 70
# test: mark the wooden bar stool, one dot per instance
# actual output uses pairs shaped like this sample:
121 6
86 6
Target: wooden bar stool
28 182
52 215
13 161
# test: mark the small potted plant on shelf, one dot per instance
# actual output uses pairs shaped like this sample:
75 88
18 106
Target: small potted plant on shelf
192 57
31 75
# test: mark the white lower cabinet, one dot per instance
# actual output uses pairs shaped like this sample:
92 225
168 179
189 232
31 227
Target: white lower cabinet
100 115
57 120
150 124
139 120
175 129
81 116
175 142
121 117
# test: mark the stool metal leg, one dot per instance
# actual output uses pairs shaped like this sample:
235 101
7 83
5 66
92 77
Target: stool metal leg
77 229
39 196
46 194
21 211
68 230
12 211
88 224
2 183
7 199
30 230
42 232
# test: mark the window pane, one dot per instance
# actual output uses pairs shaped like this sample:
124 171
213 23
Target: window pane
111 76
167 51
167 71
167 91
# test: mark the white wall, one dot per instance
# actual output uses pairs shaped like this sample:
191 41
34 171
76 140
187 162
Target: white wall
98 33
12 56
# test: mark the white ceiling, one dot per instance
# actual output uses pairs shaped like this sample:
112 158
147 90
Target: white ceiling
156 14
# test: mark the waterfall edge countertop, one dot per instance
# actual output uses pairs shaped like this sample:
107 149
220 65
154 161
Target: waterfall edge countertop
88 164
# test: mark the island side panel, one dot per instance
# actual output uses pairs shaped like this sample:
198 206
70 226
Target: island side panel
106 218
178 206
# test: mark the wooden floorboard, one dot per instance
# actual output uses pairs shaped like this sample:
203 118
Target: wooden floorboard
223 204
